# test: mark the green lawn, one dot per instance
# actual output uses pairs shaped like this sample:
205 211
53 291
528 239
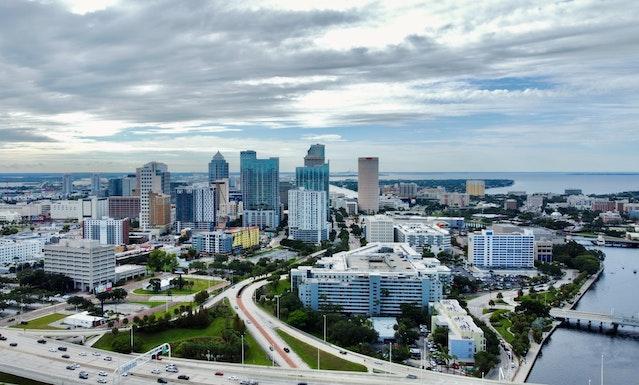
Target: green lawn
309 355
198 285
502 324
255 355
282 286
42 322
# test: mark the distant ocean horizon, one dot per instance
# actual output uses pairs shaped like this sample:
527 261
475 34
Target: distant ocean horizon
531 182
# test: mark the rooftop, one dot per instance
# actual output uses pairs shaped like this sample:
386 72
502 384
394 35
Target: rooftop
421 228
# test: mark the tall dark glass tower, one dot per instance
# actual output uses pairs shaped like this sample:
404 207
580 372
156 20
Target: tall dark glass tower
218 168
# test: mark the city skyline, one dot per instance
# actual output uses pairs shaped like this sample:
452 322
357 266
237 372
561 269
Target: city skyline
461 86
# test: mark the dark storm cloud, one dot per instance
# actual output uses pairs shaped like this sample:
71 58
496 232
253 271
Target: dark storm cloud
15 135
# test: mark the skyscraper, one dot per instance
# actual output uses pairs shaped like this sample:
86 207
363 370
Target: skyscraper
153 177
218 168
195 207
115 187
95 184
67 185
368 184
314 176
307 215
315 155
260 190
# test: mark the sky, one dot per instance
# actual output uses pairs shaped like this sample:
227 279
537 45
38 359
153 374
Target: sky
448 85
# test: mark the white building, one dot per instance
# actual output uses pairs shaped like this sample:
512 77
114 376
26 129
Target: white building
581 202
307 215
368 184
408 190
86 262
465 338
107 231
392 203
10 216
375 280
453 199
92 207
67 185
379 228
419 235
20 250
153 177
503 246
534 203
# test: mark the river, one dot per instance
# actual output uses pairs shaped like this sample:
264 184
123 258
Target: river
573 356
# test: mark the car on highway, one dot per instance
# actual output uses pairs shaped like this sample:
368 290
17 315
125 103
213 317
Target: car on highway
172 369
97 354
66 356
102 373
102 380
248 382
343 352
62 348
233 378
82 354
302 383
270 348
162 380
287 350
53 350
411 377
155 371
183 377
13 344
3 338
70 367
83 375
218 373
108 358
42 341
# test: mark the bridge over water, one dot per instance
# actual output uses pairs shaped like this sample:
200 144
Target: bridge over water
615 320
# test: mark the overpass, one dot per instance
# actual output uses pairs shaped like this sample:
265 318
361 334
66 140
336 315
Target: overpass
615 320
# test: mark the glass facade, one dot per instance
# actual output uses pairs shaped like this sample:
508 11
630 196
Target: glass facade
260 189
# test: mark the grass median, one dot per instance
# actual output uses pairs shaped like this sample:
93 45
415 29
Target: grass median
42 323
308 354
198 285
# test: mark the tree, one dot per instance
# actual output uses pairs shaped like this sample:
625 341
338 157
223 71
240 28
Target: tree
298 319
119 294
159 260
201 297
440 336
155 284
102 297
484 361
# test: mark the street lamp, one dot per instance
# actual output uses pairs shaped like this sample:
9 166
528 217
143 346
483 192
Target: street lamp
242 349
324 315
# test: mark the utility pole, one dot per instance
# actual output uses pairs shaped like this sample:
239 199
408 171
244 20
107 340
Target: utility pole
602 381
390 352
278 306
324 315
132 327
318 359
242 349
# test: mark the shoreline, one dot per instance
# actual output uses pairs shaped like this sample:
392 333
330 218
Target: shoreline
523 371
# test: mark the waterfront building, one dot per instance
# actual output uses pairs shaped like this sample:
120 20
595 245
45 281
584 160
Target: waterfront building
408 190
420 235
260 190
453 199
67 185
379 228
315 156
503 246
121 207
107 231
153 177
218 168
465 338
88 263
307 215
195 208
475 188
373 280
129 185
368 184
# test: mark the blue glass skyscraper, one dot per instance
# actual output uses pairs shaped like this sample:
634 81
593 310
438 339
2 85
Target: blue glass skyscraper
218 168
260 190
314 176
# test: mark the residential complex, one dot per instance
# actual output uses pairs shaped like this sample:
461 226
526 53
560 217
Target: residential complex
453 199
368 184
465 338
121 207
475 188
88 263
107 231
503 246
379 228
14 250
420 236
232 240
375 280
195 207
159 210
153 177
260 190
408 190
307 215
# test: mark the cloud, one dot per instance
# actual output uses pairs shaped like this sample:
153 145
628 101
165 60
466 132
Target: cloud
22 135
323 138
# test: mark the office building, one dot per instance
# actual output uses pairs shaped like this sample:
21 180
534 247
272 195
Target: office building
195 207
124 207
232 240
20 250
543 250
374 280
307 215
260 190
285 186
368 184
603 205
107 231
95 185
129 185
408 190
218 168
88 263
465 338
153 177
379 228
67 185
475 188
222 201
511 204
315 156
420 236
92 207
503 246
114 187
452 199
159 210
